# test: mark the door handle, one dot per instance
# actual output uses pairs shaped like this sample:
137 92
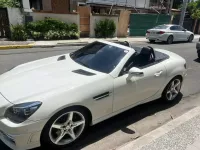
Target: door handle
157 74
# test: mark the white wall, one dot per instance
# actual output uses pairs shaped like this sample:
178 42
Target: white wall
26 6
95 19
136 3
15 16
68 18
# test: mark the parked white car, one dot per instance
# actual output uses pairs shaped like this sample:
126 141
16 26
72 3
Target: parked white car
169 34
51 102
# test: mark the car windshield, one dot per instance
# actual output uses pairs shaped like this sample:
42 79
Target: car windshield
161 27
99 56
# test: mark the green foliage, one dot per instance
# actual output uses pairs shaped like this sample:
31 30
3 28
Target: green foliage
52 29
18 33
105 28
36 35
10 3
194 9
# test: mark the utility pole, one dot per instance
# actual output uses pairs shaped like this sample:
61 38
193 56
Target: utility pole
183 12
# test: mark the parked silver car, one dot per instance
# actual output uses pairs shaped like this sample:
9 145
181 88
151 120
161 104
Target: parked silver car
169 33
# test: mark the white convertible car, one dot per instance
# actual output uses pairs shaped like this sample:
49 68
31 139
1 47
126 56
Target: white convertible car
50 102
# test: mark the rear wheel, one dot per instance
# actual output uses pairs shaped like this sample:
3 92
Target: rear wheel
152 41
170 39
172 90
191 38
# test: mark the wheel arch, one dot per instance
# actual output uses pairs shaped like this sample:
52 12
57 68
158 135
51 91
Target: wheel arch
75 106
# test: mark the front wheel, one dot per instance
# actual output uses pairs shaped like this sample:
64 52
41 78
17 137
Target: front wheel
64 128
170 39
152 41
172 90
191 38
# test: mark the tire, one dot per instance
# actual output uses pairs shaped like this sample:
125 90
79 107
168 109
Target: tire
49 137
170 39
152 41
199 55
172 91
191 38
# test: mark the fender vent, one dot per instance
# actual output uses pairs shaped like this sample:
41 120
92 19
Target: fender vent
83 72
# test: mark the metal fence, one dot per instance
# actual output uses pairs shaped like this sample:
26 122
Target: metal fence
140 23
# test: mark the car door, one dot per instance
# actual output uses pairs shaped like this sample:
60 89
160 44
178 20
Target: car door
183 34
133 90
176 33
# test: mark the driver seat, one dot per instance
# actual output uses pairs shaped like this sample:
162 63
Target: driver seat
145 57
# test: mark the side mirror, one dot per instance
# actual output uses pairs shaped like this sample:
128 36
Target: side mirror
184 29
135 72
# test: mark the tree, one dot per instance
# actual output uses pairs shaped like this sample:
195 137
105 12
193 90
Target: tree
10 3
194 10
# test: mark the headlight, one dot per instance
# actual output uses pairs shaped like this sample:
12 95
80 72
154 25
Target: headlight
21 112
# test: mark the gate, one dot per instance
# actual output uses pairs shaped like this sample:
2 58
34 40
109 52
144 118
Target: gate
84 13
140 23
4 23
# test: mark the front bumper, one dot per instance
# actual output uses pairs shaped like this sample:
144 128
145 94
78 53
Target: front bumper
21 136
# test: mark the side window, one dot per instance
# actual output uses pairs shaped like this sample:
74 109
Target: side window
138 60
174 28
181 28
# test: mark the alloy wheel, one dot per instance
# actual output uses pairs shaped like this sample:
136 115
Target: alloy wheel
173 89
67 128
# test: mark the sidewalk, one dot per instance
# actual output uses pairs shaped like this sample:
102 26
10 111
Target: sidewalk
182 133
79 42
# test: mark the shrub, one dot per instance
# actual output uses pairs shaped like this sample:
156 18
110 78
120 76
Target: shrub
52 29
18 33
36 35
105 28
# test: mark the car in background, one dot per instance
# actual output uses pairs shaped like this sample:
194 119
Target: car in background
198 48
169 33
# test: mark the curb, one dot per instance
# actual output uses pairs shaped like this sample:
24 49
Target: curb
159 132
5 47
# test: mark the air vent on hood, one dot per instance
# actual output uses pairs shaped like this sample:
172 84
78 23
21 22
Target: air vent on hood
83 72
61 58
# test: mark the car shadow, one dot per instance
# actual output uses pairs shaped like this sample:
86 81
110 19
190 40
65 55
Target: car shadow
119 122
197 60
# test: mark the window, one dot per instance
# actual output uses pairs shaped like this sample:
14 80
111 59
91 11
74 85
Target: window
99 56
180 28
140 60
36 4
176 28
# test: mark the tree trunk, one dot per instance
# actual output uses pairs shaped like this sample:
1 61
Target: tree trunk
199 29
195 24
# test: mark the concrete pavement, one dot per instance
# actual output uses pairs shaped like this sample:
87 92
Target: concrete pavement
182 133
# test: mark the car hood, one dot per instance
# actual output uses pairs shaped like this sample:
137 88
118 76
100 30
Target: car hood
44 75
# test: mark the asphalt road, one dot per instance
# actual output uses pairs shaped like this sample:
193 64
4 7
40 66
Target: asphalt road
135 122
